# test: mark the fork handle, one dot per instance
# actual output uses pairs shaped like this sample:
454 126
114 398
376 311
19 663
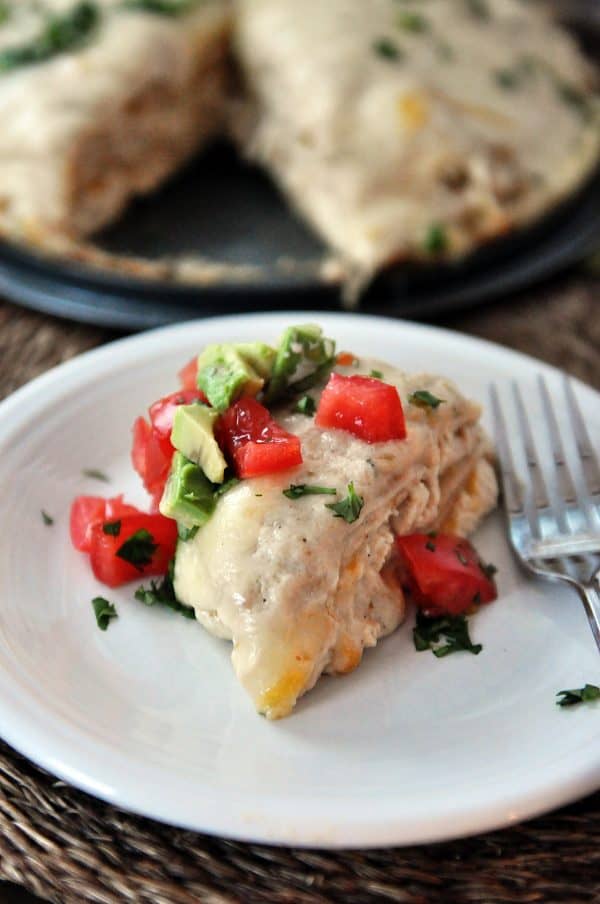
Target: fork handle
591 600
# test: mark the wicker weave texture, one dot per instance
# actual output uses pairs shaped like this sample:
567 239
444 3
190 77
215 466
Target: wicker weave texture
68 847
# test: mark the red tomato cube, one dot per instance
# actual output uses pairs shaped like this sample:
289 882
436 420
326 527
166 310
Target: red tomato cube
151 456
85 512
188 375
144 546
444 573
88 511
363 406
162 412
254 442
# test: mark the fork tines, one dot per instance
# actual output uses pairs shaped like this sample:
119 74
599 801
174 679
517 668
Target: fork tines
562 517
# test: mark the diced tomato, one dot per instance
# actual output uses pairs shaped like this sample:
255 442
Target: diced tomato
152 452
188 375
116 508
444 573
159 548
151 457
254 442
163 411
345 359
365 407
86 511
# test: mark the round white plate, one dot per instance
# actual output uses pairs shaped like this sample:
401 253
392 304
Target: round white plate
148 715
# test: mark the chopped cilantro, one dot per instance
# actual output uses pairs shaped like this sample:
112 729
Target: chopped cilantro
488 569
509 79
443 635
349 508
162 593
376 374
61 33
430 546
138 549
387 49
296 490
422 398
436 239
573 97
46 518
187 533
161 7
95 474
585 694
414 22
306 405
104 612
112 528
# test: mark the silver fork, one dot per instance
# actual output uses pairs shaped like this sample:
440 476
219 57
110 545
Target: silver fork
554 526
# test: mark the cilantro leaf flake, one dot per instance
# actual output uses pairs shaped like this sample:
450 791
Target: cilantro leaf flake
138 549
104 612
96 474
387 49
187 533
436 239
162 593
296 490
585 694
422 398
348 508
443 635
306 405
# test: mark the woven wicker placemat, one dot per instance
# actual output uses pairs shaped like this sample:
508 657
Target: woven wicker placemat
68 847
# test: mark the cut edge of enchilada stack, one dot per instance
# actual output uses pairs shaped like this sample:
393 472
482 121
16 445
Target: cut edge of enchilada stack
97 124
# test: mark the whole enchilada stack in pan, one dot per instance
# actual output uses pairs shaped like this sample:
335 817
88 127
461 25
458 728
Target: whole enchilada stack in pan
398 131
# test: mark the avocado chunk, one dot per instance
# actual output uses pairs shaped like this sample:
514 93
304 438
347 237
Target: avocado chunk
193 436
189 496
224 375
259 355
304 357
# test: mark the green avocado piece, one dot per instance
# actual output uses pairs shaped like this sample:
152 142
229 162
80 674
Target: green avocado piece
224 375
259 355
189 496
304 357
193 435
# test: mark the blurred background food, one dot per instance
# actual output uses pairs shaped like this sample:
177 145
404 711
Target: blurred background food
269 146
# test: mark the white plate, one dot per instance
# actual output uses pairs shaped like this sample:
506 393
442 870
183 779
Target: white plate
148 715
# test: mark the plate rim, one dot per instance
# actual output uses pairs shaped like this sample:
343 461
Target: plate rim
73 290
479 819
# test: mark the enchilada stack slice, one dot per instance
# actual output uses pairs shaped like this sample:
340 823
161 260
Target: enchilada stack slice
411 130
100 101
301 592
